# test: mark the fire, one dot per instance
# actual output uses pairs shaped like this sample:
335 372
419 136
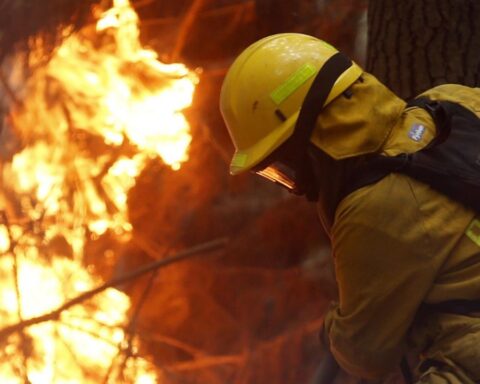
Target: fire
95 111
90 335
89 121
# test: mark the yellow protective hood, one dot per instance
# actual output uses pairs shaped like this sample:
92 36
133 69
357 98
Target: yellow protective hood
347 129
360 124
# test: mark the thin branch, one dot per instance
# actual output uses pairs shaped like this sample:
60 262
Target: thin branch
141 3
150 248
18 295
72 353
55 314
239 359
207 15
131 330
185 27
13 244
89 332
172 342
222 152
70 316
132 326
206 362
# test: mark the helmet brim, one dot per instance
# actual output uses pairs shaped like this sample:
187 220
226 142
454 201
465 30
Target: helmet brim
244 160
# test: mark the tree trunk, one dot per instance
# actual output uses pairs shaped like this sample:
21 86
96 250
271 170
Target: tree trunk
417 44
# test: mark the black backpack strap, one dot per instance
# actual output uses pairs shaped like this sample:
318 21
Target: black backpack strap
458 307
377 167
406 371
439 114
374 169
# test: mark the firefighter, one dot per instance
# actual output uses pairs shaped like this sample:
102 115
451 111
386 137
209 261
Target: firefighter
304 116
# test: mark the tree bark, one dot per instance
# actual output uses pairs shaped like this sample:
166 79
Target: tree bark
417 44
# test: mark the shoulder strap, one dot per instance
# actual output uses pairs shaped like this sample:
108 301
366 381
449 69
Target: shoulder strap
441 113
377 167
373 170
459 306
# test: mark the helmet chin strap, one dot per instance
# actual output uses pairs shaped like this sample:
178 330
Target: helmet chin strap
312 191
293 155
317 96
308 183
298 144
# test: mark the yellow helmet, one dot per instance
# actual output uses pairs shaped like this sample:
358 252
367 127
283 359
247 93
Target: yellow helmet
265 88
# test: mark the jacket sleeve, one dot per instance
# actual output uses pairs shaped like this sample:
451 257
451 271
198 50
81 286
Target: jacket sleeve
384 269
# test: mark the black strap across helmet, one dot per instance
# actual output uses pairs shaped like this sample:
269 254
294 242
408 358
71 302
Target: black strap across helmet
289 164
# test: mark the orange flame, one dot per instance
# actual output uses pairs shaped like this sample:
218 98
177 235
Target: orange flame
117 92
90 120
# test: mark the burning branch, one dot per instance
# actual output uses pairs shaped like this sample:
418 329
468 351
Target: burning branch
205 362
89 120
23 337
220 12
55 314
131 330
185 27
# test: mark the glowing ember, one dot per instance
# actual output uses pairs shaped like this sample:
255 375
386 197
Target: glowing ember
89 121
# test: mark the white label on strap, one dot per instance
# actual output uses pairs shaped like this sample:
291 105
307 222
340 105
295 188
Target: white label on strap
416 132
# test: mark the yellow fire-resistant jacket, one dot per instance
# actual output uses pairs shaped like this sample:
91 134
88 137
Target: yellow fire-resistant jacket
398 243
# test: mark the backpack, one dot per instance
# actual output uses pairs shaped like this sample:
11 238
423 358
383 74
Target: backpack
450 163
